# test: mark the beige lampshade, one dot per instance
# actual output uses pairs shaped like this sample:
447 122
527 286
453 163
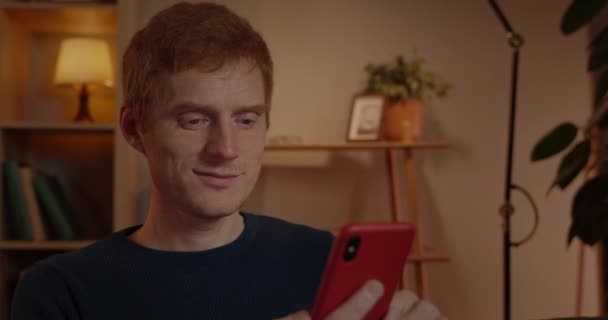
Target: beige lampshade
84 61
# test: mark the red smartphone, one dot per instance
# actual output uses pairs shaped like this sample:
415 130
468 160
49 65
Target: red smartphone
363 252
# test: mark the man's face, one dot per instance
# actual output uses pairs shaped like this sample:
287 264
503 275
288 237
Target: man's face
204 148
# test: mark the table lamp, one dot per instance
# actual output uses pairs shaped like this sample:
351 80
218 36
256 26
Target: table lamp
83 62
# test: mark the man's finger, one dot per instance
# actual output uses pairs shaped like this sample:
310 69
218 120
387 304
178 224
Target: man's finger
360 303
300 315
424 310
402 303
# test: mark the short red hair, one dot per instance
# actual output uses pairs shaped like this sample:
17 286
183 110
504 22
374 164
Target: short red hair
205 36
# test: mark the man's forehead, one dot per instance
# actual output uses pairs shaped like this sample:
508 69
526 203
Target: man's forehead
225 73
231 85
235 66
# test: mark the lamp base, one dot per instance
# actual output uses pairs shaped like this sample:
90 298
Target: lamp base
83 114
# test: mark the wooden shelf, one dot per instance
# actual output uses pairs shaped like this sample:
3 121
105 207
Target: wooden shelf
355 146
429 256
43 245
68 126
48 5
76 18
87 159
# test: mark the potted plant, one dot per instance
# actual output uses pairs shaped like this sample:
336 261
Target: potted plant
406 85
585 148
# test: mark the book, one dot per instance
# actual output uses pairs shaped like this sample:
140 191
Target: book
51 206
14 200
26 174
66 206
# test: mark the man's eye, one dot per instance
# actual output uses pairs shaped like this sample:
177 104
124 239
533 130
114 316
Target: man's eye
191 121
248 120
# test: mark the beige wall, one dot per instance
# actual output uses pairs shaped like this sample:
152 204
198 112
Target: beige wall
320 48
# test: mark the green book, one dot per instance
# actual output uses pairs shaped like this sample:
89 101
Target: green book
51 206
15 201
66 206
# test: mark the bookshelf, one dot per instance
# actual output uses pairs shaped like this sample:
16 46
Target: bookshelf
380 145
42 245
94 166
46 126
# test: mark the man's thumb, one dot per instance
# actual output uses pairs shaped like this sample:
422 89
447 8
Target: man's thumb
300 315
360 303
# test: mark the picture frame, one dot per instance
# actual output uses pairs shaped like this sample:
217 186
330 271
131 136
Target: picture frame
365 122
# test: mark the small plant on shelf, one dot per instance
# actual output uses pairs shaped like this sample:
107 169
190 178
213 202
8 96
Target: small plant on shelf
407 85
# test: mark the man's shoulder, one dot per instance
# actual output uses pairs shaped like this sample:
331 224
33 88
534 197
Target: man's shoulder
86 258
279 228
54 283
279 235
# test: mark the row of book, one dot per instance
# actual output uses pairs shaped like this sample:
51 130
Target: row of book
35 206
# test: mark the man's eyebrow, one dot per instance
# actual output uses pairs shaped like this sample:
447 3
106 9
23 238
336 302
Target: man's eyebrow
258 108
189 106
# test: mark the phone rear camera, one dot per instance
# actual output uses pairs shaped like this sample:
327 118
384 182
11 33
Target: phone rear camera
352 247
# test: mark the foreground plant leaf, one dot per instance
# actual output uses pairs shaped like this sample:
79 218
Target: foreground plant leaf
590 212
572 164
554 142
580 13
601 89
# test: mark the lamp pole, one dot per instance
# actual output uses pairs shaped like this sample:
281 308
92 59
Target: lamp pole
515 41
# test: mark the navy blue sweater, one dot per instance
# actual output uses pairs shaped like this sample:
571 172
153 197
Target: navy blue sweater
272 269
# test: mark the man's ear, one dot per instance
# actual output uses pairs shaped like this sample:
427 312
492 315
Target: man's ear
130 127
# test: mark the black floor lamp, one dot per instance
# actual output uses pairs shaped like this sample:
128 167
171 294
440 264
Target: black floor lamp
515 41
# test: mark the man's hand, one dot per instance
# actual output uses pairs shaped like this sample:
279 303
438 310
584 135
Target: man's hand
404 306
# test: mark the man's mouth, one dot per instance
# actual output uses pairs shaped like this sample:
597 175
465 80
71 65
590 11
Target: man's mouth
217 179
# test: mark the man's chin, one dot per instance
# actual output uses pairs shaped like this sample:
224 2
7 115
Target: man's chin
213 214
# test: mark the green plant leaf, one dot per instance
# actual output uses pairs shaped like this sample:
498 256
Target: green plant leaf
405 78
554 142
600 90
572 164
601 38
579 13
590 212
599 58
400 61
599 51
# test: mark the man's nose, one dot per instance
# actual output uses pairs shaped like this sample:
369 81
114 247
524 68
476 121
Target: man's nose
221 143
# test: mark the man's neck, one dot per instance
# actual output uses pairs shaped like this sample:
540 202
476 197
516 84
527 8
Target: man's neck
171 230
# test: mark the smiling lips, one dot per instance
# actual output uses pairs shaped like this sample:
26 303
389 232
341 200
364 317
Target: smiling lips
216 179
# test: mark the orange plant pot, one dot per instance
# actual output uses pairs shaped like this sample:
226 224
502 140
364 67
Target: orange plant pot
403 120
